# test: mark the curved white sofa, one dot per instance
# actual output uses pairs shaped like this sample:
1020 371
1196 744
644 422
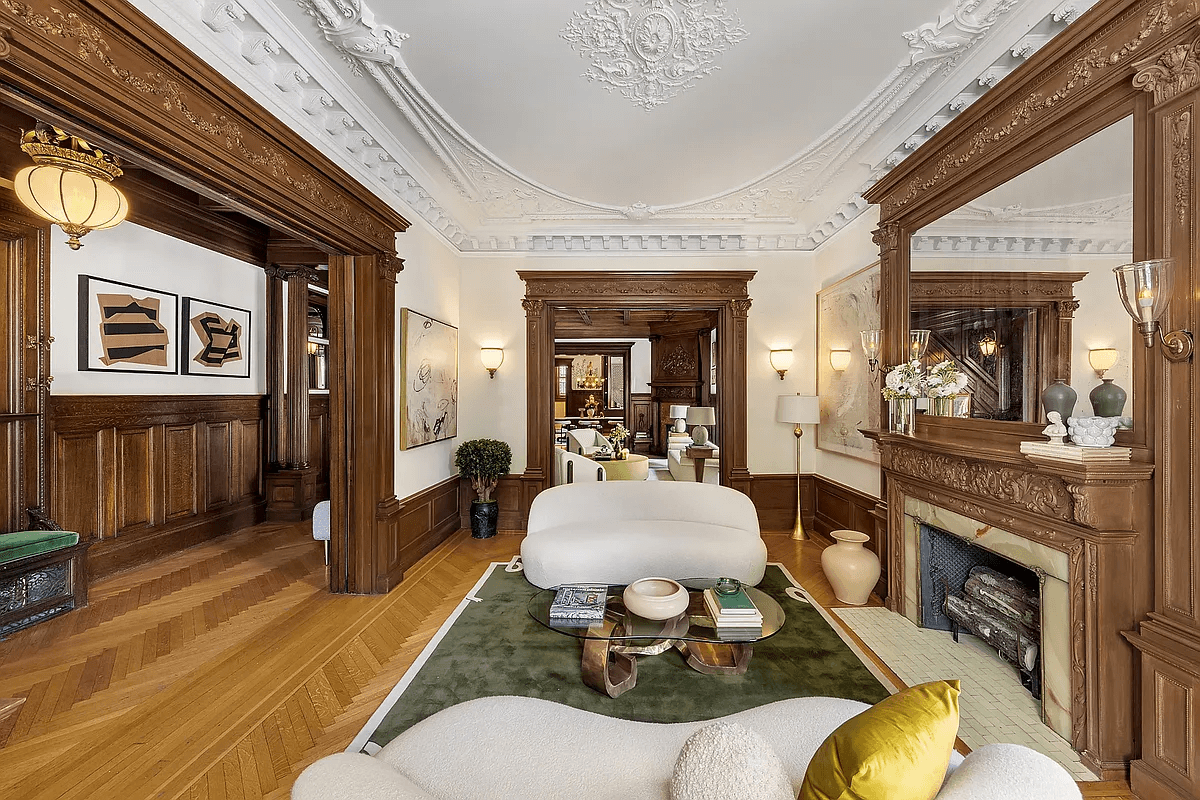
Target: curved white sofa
503 748
619 531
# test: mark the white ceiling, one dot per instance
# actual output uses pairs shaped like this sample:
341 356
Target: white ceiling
479 118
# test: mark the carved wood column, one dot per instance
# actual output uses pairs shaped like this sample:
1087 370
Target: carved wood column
276 358
732 339
894 316
539 371
296 449
1064 311
1169 640
365 547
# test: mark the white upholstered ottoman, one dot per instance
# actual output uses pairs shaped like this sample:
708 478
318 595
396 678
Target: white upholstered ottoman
616 532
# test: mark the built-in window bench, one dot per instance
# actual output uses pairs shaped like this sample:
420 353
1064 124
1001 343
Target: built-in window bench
43 573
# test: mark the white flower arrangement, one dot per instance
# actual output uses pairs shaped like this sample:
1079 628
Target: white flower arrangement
945 379
904 381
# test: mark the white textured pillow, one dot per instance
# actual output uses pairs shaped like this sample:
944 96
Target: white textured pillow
727 761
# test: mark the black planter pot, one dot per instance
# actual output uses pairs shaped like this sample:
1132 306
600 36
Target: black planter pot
483 518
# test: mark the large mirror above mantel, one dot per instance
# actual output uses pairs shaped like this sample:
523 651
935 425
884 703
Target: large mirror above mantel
1016 286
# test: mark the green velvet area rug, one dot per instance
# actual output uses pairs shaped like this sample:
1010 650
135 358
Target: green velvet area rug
494 647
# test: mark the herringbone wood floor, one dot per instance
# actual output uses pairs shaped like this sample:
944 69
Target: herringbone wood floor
225 670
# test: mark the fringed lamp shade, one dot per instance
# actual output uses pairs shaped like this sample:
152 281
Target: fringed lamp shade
69 183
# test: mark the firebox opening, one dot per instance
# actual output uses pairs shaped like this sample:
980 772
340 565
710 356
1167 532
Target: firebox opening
966 587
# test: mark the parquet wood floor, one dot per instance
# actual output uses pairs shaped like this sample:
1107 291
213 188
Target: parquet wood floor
223 671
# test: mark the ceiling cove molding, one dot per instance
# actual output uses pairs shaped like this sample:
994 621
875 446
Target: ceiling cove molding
660 49
268 54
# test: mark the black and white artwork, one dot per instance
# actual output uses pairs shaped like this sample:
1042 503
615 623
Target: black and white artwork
429 380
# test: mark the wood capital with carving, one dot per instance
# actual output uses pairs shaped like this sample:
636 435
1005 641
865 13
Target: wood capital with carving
1171 74
5 47
533 308
886 236
389 266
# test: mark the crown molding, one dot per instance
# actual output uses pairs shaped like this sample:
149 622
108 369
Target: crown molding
477 193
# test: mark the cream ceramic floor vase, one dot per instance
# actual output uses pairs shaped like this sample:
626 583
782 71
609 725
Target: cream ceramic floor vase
852 569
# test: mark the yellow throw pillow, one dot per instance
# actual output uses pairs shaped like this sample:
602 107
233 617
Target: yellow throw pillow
898 749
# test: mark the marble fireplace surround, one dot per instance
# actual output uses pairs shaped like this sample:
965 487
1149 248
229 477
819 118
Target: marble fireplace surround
1056 602
1085 526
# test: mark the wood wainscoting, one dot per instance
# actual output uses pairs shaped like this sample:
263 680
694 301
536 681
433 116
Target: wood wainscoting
425 520
143 477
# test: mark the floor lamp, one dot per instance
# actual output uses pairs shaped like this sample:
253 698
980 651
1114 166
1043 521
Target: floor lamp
798 409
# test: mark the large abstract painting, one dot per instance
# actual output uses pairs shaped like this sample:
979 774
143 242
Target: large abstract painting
428 380
849 398
126 328
216 339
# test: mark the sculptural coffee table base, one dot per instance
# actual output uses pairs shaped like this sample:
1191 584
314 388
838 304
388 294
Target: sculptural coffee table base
610 666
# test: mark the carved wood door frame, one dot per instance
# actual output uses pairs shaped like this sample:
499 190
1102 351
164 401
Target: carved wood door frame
724 291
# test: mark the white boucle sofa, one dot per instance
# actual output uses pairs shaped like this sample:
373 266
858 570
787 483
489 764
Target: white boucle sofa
520 748
616 532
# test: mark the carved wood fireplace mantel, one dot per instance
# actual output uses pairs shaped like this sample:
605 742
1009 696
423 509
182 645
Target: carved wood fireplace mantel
1095 516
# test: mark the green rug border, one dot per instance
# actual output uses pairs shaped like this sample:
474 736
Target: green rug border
361 742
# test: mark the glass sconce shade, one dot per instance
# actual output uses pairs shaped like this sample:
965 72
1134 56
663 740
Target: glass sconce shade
1102 360
492 358
918 341
871 341
1145 289
839 359
988 344
781 361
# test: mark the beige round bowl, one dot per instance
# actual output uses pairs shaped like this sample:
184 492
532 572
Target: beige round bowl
656 598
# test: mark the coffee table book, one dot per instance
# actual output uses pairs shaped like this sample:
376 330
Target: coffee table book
580 604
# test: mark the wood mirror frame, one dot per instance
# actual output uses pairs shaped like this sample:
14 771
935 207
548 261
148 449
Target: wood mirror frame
1140 574
725 291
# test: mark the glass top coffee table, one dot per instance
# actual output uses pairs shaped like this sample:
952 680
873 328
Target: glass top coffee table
611 645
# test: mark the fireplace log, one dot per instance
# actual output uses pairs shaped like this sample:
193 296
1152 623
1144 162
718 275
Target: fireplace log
1004 594
1015 642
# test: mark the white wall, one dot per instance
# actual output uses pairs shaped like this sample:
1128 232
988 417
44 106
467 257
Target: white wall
429 284
142 257
848 252
783 314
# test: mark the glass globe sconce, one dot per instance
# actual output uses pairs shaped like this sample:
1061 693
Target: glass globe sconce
492 358
1145 289
781 361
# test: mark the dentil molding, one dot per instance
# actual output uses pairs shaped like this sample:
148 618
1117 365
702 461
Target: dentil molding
264 50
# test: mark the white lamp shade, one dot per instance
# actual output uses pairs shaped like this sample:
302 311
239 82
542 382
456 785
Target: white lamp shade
492 357
839 359
701 415
677 412
798 409
76 201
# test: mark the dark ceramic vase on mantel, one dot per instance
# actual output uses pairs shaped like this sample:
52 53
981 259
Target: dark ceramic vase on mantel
1108 399
1061 398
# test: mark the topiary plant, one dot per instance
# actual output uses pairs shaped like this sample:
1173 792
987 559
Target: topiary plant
484 462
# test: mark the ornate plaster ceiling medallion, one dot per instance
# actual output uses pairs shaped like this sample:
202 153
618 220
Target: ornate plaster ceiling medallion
651 50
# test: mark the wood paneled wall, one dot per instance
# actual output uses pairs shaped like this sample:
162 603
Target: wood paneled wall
144 476
425 520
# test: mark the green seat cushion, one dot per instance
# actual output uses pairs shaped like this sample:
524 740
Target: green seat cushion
32 543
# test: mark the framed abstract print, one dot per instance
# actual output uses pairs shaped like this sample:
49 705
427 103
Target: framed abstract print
428 380
126 328
215 339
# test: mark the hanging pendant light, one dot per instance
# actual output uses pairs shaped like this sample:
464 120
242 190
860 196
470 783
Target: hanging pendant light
70 183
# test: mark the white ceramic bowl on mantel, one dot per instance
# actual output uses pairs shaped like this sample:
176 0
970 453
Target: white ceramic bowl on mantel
656 598
1093 431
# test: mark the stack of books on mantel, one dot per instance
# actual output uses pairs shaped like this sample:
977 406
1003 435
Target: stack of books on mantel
735 615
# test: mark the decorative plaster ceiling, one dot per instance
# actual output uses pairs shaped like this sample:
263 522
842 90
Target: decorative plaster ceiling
725 128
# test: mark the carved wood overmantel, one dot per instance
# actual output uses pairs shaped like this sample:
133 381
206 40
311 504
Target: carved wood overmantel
725 292
1136 532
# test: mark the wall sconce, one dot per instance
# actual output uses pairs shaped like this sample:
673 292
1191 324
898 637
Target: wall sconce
492 358
839 359
871 340
1102 360
70 183
1145 289
918 342
781 361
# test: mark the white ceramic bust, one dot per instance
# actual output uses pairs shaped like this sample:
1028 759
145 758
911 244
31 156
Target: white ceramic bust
1055 430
